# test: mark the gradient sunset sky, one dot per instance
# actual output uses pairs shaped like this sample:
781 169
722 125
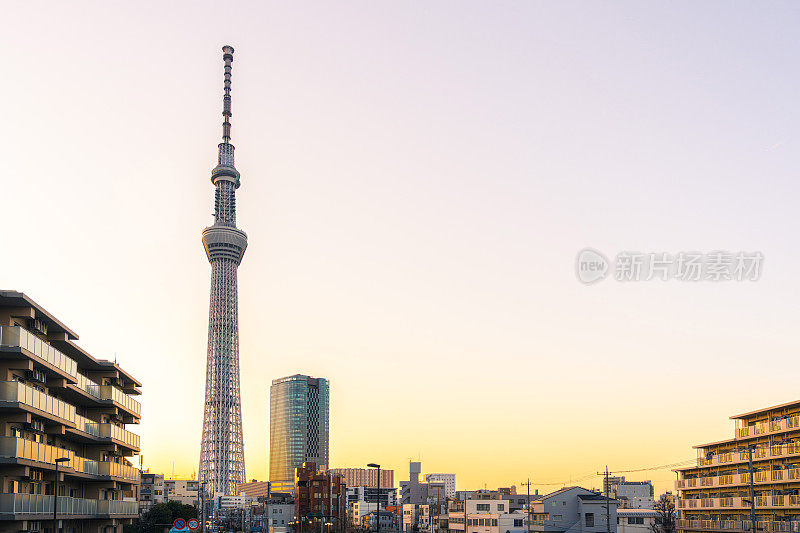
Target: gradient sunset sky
417 179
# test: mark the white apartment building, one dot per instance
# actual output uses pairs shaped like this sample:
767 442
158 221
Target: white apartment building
186 491
636 520
278 517
632 494
449 481
234 502
358 509
416 515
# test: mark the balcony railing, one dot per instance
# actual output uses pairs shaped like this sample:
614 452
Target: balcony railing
14 391
15 447
107 468
18 448
109 392
117 507
738 525
118 433
20 337
87 426
38 504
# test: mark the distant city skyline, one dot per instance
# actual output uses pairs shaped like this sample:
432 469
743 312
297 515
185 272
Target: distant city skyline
420 179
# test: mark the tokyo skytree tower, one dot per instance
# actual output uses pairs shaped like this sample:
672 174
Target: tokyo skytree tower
222 447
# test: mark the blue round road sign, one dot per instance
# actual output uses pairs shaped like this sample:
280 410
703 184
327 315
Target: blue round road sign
179 523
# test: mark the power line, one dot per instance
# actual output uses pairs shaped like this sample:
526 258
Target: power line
628 471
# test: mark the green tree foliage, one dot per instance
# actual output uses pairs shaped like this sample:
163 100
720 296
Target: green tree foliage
161 516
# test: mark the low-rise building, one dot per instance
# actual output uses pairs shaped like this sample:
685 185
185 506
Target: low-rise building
357 510
278 517
319 498
388 496
228 501
151 491
636 520
415 492
364 477
386 518
449 481
574 509
185 491
631 494
256 489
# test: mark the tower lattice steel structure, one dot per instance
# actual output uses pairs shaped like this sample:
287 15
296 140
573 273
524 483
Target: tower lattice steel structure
222 447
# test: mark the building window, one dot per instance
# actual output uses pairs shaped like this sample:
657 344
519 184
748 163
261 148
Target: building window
589 519
501 506
636 520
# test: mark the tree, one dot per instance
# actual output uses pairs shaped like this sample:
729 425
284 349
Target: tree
161 515
665 519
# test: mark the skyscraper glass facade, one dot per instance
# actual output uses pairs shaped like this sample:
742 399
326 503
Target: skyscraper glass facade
299 414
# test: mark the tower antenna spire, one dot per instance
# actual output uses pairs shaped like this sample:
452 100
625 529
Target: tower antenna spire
227 56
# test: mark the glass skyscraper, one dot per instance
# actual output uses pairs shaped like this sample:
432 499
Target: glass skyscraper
298 429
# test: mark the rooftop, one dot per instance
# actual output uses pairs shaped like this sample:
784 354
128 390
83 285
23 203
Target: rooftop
789 405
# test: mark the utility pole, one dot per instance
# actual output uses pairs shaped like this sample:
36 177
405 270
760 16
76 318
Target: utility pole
608 504
607 490
752 492
528 484
203 505
438 508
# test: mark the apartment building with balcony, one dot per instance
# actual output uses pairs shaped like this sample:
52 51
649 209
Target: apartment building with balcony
186 491
59 402
151 491
714 494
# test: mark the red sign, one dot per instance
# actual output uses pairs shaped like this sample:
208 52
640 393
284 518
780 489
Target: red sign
193 524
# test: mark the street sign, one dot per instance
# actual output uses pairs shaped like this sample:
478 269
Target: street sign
179 523
193 524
